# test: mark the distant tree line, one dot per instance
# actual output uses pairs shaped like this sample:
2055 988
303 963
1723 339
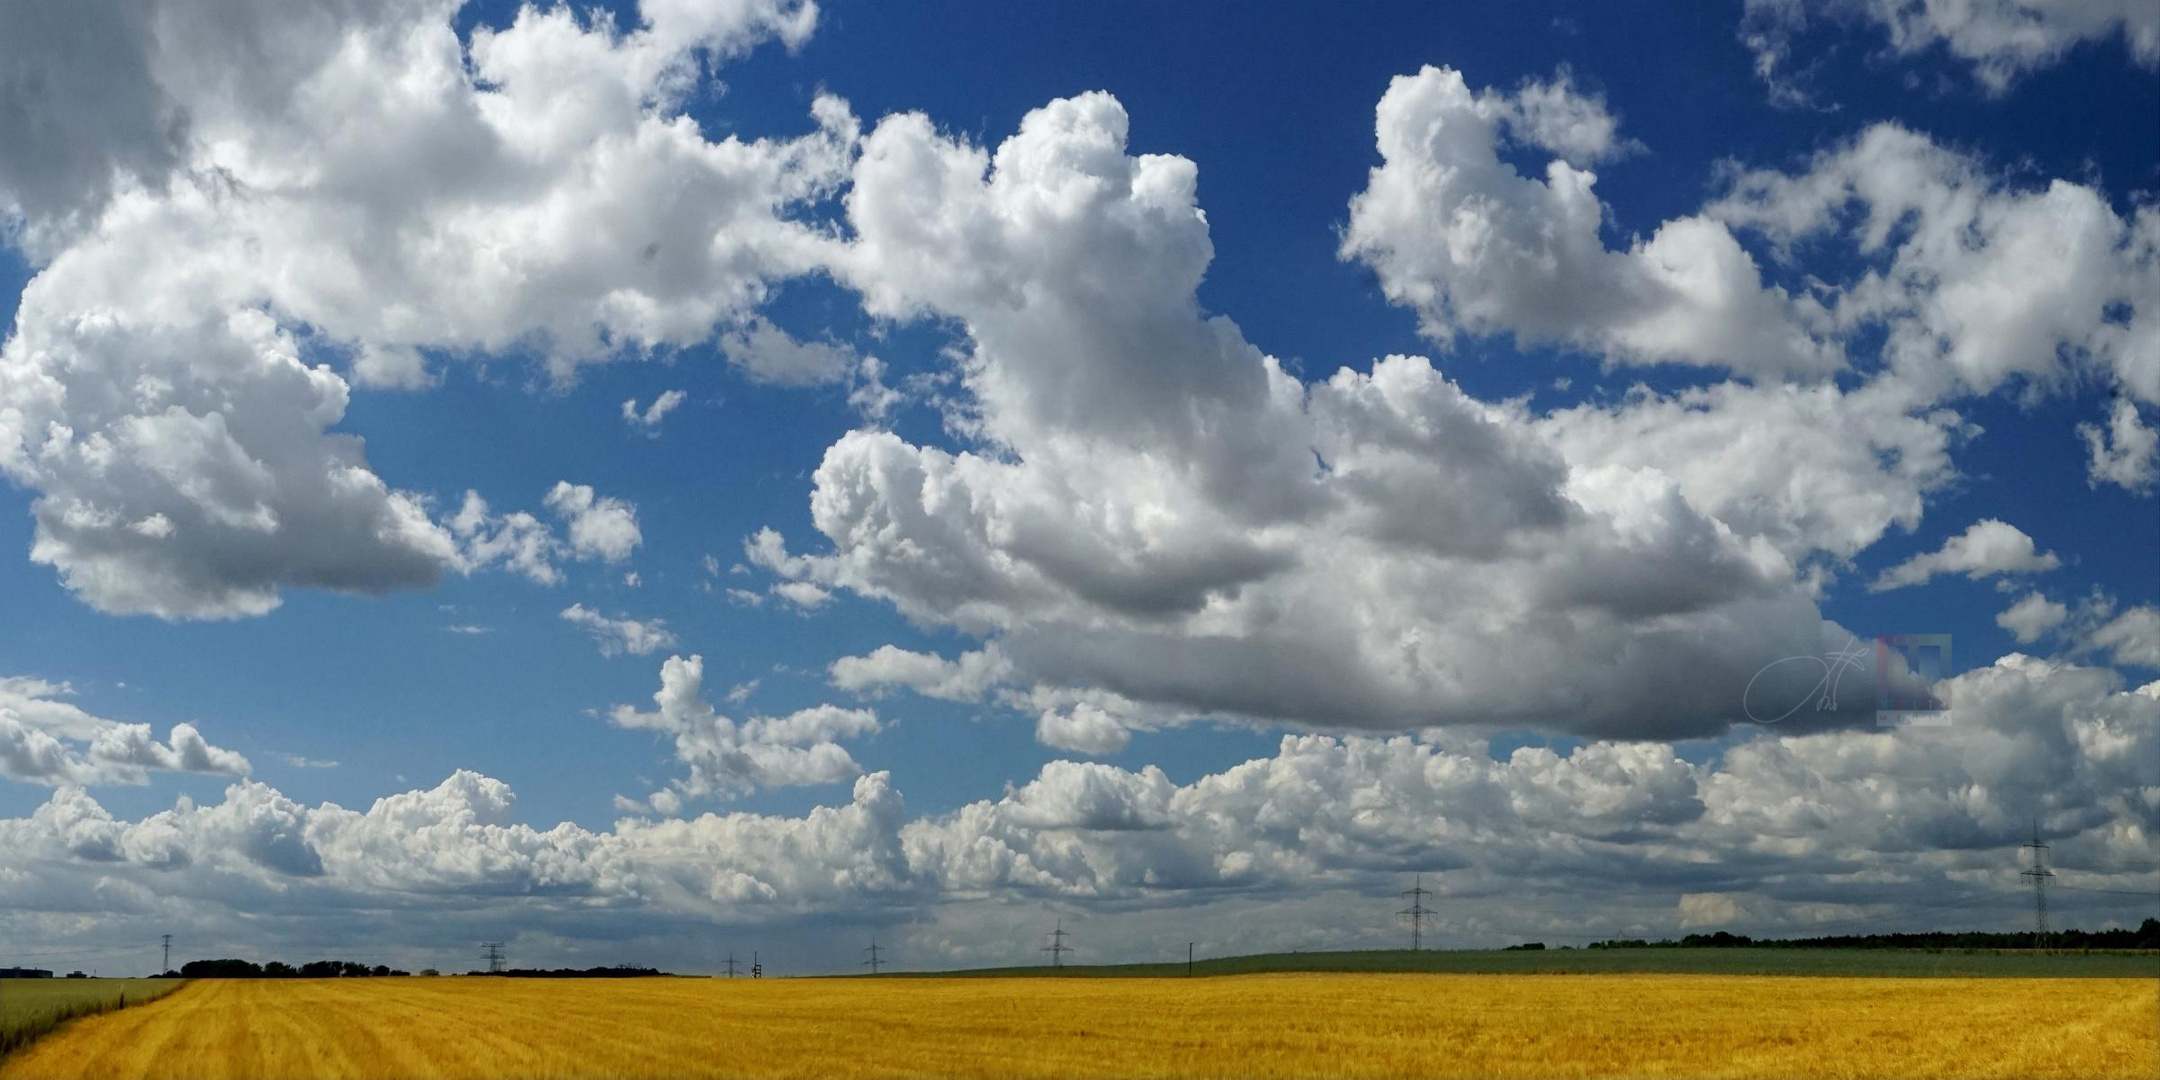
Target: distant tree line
346 969
618 971
278 969
2146 936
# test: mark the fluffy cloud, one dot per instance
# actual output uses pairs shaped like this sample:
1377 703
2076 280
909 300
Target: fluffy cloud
599 527
1809 469
253 199
1457 234
1988 548
1781 830
769 354
1976 282
2002 40
2032 617
184 469
2132 637
726 757
1154 513
45 739
2126 453
966 678
617 636
517 540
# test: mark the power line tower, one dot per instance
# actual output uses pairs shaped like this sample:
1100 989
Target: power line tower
1057 947
492 952
1417 911
873 962
731 965
2039 873
168 955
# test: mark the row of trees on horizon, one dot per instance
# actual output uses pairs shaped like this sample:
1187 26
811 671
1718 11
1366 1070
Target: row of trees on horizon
230 968
2146 936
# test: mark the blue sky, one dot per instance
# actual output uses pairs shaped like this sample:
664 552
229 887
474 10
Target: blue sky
1274 106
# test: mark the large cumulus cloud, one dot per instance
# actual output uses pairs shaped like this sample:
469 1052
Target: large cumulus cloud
1151 520
1150 507
274 202
1457 234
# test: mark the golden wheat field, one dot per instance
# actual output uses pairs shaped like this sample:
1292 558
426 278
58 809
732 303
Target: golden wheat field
1245 1026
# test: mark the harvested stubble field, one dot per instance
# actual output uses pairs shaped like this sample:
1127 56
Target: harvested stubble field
32 1007
1248 1026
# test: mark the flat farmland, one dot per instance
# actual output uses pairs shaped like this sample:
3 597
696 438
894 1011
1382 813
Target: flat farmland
31 1007
1350 1025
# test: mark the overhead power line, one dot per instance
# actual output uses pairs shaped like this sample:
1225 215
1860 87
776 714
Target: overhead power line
1057 947
1417 912
2039 873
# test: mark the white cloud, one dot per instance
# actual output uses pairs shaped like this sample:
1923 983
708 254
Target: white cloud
1087 720
204 484
1988 548
741 692
600 527
769 354
650 418
2002 40
1806 468
618 636
2032 617
47 740
1977 282
1083 727
233 202
1148 507
1456 234
1785 828
2132 637
2126 453
802 594
517 540
965 678
726 757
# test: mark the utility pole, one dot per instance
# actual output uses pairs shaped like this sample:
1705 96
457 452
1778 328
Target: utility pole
492 952
731 965
873 962
2039 873
757 970
168 955
1417 912
1057 947
1188 959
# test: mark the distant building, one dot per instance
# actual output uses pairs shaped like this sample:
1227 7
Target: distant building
24 973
